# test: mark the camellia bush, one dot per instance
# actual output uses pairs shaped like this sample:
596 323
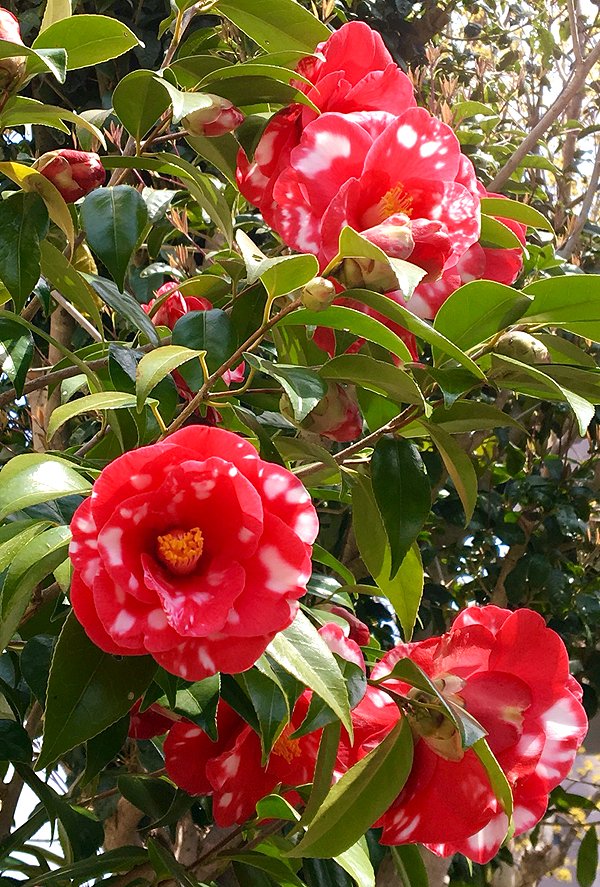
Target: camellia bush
298 540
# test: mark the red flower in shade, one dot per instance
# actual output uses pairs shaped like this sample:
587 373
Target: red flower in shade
149 723
511 673
174 306
231 769
351 71
193 550
73 173
478 263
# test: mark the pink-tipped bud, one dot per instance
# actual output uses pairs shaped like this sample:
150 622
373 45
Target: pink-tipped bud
336 416
73 173
318 294
174 306
216 119
359 632
12 69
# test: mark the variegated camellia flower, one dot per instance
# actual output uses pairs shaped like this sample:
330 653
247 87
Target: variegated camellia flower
193 550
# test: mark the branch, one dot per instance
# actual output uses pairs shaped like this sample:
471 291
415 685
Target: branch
574 83
567 249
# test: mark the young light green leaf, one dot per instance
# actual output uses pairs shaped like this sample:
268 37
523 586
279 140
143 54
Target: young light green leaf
503 208
154 366
275 24
61 274
55 11
402 492
101 400
358 799
284 274
114 219
88 690
302 652
494 234
356 862
35 477
409 866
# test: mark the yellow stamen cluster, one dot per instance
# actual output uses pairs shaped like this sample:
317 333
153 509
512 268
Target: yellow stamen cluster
285 747
180 550
395 201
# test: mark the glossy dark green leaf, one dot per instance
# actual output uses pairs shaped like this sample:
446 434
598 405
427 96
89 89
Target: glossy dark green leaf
375 375
35 664
357 800
150 795
198 703
277 869
139 100
323 775
209 331
16 352
88 39
458 465
402 492
87 691
114 219
270 704
23 224
122 859
302 385
123 304
103 748
15 744
275 24
166 865
587 858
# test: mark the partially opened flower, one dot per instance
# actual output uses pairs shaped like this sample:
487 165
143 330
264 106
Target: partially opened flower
351 71
511 673
174 306
73 173
193 550
219 117
336 416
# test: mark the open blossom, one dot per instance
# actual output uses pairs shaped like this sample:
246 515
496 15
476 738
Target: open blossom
351 71
73 173
231 769
511 673
193 550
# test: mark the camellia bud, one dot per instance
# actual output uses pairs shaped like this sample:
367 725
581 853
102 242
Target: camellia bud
12 69
73 173
216 119
368 274
336 416
521 346
318 294
359 632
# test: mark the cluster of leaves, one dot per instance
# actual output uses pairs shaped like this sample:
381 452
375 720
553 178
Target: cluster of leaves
476 441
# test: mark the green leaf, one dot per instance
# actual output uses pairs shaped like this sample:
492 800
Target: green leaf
166 865
15 744
302 652
359 798
529 380
271 707
410 867
495 773
150 795
494 234
35 664
402 492
375 375
55 11
114 219
284 274
354 245
100 750
275 24
32 564
404 591
198 702
463 417
123 304
153 367
139 100
458 465
276 807
41 61
35 477
503 208
478 310
84 832
323 775
462 110
88 39
276 868
571 302
322 556
587 858
88 690
208 331
23 224
339 317
101 400
122 859
16 352
59 272
420 328
356 862
302 385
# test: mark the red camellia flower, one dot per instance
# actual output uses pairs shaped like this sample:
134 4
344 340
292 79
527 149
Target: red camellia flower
511 673
337 416
220 117
174 306
9 27
73 173
149 723
231 769
193 550
351 71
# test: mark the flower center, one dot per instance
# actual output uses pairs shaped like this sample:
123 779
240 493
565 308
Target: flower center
180 550
287 748
397 200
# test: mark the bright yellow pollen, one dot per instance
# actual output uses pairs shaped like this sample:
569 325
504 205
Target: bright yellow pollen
287 748
180 550
395 201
